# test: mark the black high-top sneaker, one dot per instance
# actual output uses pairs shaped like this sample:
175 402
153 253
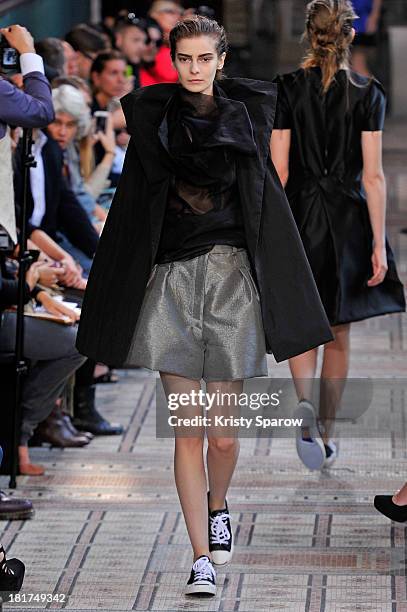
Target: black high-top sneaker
220 535
11 575
202 581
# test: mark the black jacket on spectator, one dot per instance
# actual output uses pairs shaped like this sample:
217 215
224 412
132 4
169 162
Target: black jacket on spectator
63 211
9 288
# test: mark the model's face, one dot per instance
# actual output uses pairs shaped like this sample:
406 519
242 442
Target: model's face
112 80
196 61
132 41
63 129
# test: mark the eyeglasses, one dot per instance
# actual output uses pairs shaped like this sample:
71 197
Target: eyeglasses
90 56
157 43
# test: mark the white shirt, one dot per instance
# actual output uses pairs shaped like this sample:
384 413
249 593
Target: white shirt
31 62
37 181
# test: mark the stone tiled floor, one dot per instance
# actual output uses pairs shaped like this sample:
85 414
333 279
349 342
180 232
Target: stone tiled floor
108 530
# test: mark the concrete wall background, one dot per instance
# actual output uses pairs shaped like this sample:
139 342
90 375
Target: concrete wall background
47 17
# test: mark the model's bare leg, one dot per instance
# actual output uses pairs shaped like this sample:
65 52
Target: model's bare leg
223 443
303 370
189 468
334 372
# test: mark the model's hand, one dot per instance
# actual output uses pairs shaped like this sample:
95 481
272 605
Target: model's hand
19 38
379 264
56 308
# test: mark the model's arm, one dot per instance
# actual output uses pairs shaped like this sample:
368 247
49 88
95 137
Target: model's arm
280 152
374 183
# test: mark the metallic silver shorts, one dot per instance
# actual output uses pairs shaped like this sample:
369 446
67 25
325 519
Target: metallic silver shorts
201 318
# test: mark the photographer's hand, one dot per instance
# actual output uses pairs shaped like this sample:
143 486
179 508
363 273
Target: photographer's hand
19 38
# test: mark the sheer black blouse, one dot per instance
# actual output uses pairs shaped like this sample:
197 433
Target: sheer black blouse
201 135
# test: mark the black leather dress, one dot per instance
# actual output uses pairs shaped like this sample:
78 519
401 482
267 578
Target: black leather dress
325 192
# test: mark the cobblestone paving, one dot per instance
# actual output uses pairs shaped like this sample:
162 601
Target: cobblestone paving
109 534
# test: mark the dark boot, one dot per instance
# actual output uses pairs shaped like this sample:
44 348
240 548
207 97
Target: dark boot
87 417
14 508
55 431
11 574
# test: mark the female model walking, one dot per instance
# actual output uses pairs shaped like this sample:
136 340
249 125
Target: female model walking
200 269
327 149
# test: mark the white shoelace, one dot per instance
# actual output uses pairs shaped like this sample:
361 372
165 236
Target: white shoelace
203 569
4 567
220 533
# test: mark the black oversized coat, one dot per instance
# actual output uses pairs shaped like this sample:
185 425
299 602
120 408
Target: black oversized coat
293 316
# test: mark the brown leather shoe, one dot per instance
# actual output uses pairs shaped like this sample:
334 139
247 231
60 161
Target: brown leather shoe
55 431
14 508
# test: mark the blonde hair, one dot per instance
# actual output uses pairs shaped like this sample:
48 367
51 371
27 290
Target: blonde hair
328 29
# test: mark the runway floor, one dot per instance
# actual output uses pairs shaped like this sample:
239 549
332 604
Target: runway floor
109 534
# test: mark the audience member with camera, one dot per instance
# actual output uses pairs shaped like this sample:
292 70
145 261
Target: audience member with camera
73 130
29 108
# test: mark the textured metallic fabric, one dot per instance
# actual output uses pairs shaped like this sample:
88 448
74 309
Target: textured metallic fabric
201 318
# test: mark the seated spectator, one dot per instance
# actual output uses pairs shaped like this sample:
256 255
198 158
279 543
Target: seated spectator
52 52
50 346
166 13
78 83
131 37
71 129
110 83
87 43
109 79
71 63
155 41
52 205
105 32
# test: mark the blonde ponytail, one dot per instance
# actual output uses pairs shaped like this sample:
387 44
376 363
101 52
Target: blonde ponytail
328 29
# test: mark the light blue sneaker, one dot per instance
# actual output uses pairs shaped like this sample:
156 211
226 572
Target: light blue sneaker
310 448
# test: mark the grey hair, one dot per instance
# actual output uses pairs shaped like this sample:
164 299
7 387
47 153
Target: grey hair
68 99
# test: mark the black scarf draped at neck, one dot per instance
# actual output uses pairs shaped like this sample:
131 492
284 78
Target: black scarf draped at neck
201 134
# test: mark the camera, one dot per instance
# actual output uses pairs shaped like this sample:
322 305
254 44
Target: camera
100 120
9 58
6 244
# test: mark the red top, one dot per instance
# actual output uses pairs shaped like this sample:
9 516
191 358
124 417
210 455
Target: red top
162 71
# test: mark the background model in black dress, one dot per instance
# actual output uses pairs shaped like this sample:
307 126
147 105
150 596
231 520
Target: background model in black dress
325 191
